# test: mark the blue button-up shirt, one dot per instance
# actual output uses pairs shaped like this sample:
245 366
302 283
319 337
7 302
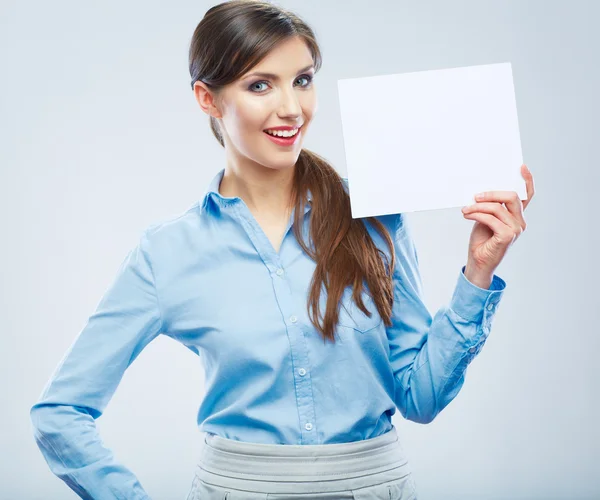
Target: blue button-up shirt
211 279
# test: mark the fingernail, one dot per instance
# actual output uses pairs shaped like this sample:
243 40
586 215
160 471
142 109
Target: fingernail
479 196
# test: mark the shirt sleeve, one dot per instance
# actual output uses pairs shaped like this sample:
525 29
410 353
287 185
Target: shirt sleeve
126 320
429 355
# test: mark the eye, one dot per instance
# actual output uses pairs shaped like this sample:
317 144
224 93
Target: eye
307 77
257 83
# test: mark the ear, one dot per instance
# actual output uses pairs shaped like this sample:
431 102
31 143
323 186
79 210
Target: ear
206 99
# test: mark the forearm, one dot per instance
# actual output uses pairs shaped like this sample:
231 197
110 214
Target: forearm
69 441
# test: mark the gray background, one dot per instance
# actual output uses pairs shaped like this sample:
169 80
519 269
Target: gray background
101 136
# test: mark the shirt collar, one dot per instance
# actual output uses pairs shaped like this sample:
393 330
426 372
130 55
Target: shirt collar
212 192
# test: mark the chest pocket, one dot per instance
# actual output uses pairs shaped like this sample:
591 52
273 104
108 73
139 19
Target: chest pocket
352 317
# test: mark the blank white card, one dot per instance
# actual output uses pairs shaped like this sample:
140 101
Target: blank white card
430 139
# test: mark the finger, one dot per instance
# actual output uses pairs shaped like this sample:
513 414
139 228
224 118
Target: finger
509 198
506 196
528 176
500 211
502 231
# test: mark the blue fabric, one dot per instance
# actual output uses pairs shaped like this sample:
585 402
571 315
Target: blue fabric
211 280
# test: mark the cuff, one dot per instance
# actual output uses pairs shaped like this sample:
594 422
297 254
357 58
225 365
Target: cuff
471 302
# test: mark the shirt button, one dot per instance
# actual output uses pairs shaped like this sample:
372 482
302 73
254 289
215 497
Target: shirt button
308 426
473 349
490 306
302 371
279 272
293 319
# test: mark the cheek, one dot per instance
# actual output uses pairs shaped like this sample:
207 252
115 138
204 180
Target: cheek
246 116
246 124
254 109
310 104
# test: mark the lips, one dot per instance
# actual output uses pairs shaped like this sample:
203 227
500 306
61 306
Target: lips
284 141
285 129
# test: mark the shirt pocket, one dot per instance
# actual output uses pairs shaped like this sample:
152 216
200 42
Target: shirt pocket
352 317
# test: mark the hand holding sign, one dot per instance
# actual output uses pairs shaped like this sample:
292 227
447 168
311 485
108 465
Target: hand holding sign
499 223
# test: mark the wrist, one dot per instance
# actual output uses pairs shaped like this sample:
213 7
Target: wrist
482 279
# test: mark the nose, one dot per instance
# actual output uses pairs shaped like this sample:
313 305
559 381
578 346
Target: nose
289 106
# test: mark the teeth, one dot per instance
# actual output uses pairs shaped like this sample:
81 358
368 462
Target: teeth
283 133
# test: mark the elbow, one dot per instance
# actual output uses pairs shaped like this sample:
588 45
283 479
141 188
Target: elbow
417 402
63 436
47 434
43 419
416 410
36 415
423 417
52 419
422 400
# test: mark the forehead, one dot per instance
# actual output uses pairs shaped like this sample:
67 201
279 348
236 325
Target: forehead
287 58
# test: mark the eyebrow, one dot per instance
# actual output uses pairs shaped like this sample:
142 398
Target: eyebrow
275 77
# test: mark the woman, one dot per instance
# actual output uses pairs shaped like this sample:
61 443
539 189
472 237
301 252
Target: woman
298 403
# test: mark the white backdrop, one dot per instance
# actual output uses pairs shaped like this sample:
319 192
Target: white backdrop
101 136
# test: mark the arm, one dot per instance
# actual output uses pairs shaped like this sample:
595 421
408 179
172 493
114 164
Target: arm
429 356
126 320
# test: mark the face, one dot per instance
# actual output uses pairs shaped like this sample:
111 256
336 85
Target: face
255 102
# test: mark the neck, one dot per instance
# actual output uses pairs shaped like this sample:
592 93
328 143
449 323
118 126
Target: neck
265 191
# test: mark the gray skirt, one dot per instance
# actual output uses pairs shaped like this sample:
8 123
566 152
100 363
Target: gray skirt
374 469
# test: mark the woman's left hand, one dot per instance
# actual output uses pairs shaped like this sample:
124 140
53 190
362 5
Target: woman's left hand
496 228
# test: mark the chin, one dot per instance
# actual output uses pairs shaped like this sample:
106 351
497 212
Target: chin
281 166
283 162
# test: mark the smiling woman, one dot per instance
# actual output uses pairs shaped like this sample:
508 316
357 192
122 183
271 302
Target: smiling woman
252 66
270 88
296 405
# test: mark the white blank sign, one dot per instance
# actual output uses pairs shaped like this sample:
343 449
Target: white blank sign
430 139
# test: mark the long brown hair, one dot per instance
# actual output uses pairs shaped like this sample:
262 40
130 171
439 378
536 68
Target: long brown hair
232 37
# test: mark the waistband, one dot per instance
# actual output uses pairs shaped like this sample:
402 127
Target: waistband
232 463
